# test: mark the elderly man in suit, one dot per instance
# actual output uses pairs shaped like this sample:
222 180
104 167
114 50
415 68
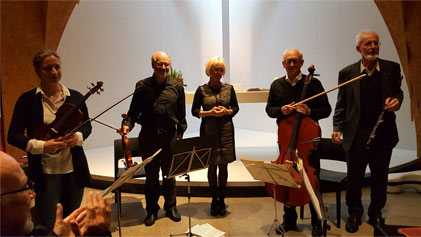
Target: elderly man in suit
358 108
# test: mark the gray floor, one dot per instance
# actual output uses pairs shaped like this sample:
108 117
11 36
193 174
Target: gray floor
247 216
254 216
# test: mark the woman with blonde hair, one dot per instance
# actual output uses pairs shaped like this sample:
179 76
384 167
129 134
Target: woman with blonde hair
216 103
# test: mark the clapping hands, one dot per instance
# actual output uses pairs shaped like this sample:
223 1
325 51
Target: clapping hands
91 219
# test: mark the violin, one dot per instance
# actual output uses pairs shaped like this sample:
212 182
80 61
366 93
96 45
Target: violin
68 119
125 142
295 134
126 145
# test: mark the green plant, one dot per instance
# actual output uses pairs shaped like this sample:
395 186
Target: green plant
176 75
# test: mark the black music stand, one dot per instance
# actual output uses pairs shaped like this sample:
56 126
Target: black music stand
128 174
276 174
190 154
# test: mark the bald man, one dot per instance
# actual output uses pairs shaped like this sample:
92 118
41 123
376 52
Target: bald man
17 194
158 105
16 197
284 93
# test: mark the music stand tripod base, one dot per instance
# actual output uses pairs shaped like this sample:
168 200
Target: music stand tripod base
189 155
276 225
276 174
189 233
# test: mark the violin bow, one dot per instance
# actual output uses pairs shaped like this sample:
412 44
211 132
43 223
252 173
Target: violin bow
334 88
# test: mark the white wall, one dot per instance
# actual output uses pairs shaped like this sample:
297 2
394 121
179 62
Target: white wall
323 30
112 41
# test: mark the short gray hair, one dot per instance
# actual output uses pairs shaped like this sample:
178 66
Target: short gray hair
358 37
153 58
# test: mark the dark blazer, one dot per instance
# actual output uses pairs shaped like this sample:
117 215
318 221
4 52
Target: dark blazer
347 111
28 114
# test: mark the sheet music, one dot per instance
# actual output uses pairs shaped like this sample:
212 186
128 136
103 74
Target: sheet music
128 174
269 172
281 175
206 230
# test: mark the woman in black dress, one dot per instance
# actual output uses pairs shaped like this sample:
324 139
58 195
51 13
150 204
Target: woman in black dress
216 103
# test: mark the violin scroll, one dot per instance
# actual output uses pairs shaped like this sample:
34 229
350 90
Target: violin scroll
96 88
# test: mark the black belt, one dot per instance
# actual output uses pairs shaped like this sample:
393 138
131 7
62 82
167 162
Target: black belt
158 130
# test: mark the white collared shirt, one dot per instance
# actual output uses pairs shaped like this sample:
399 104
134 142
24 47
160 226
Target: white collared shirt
369 72
60 162
295 80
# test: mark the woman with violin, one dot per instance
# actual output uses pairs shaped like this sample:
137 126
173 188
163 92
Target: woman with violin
219 104
57 162
284 93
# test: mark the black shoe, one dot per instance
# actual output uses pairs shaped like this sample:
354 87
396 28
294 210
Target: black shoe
214 208
222 211
317 230
173 215
286 227
352 224
151 218
375 221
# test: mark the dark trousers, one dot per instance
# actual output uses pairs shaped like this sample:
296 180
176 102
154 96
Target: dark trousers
218 183
378 159
56 188
149 142
290 215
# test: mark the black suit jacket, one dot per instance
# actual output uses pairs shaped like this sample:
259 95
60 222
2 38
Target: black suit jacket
28 114
347 112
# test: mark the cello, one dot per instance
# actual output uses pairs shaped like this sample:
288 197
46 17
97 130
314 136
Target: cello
295 136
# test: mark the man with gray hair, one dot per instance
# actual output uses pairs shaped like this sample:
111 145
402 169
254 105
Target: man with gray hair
158 105
284 93
365 108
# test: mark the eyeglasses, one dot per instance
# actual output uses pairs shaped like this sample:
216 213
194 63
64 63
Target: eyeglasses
292 60
29 185
369 43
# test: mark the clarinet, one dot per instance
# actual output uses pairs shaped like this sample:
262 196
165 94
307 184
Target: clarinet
373 132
